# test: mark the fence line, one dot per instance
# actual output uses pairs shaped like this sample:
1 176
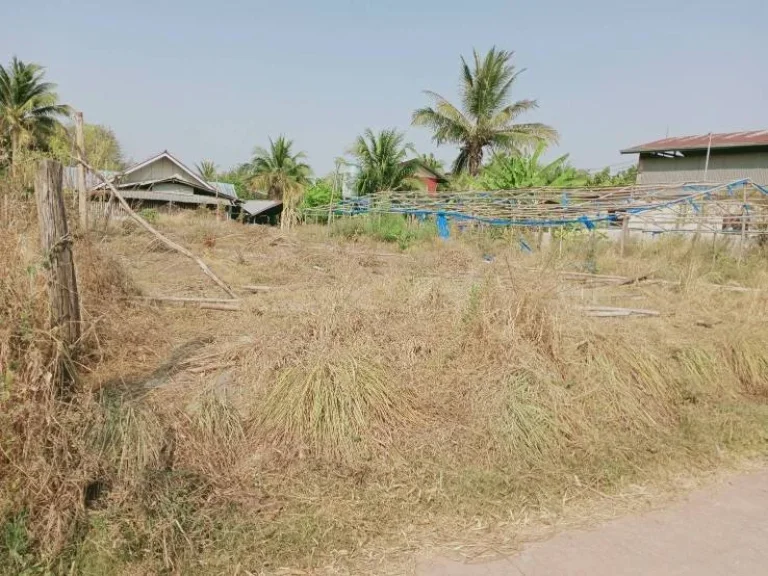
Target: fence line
689 208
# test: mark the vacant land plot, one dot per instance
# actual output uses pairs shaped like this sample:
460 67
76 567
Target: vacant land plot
366 398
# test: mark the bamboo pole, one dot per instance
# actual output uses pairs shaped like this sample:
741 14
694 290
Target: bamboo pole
255 289
613 312
201 303
82 190
743 223
330 201
184 299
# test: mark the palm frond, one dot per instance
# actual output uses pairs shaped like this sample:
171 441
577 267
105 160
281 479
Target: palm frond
448 123
536 132
206 169
29 110
509 113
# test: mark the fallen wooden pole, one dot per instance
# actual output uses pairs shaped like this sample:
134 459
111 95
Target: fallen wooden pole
613 312
200 303
221 307
257 288
646 279
149 228
189 299
595 277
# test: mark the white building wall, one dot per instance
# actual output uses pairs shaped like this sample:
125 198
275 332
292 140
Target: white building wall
724 167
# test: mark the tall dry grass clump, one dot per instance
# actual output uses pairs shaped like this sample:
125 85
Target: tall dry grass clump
341 406
56 450
40 457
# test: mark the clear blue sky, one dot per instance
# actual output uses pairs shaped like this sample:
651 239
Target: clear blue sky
213 79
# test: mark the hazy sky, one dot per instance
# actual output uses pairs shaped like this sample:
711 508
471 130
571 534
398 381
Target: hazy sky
214 79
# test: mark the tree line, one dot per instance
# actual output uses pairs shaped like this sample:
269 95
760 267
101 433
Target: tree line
495 149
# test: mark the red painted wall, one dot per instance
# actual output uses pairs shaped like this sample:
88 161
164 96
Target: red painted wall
431 184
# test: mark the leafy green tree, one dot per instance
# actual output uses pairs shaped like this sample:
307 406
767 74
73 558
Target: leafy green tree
506 172
28 109
462 181
486 117
207 170
282 174
382 161
626 177
320 194
102 147
240 177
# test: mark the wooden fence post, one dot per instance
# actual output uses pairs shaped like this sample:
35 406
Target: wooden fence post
82 189
56 243
624 232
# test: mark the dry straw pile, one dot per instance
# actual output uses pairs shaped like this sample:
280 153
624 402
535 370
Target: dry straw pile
367 398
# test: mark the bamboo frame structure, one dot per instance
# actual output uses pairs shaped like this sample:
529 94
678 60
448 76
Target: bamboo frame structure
737 208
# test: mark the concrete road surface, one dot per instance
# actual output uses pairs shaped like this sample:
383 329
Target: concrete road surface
719 531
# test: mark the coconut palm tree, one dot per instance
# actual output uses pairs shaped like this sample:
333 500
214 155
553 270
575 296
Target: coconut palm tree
486 117
382 160
282 174
28 108
207 170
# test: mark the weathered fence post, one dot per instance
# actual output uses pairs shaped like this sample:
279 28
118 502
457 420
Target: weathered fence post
82 189
624 232
56 244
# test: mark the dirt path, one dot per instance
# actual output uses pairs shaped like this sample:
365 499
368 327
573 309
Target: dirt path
722 530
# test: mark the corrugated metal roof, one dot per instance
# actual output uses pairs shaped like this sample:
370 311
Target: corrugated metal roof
719 141
254 207
176 198
225 189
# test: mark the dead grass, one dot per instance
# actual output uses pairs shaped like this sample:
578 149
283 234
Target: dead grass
374 399
344 408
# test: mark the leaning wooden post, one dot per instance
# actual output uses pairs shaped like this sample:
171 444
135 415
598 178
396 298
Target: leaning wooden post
82 189
57 249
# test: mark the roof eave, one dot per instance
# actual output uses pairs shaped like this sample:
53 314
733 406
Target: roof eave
643 150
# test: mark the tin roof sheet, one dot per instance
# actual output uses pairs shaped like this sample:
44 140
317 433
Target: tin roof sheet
702 142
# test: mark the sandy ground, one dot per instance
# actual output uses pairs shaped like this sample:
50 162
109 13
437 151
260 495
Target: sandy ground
721 530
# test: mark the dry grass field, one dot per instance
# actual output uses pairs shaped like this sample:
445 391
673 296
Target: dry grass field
368 399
